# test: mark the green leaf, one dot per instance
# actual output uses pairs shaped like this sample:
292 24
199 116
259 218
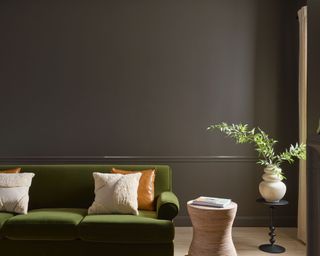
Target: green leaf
262 143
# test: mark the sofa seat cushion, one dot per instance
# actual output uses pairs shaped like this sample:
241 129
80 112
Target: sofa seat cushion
144 228
4 216
45 224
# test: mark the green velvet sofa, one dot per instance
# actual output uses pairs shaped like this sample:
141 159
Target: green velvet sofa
57 222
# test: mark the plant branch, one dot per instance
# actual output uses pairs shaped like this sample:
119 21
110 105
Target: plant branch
262 143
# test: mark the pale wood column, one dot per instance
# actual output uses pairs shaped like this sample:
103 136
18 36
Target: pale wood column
302 205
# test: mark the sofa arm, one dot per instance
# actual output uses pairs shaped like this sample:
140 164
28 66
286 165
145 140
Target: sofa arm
167 206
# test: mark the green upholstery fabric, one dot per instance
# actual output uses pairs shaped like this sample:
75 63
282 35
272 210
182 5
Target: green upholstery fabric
3 218
70 185
145 228
56 223
167 206
44 224
81 248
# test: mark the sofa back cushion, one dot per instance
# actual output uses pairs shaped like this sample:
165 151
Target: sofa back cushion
72 185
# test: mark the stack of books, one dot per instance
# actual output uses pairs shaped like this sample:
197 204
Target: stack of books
211 201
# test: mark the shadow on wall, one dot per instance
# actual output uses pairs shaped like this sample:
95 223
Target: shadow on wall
276 80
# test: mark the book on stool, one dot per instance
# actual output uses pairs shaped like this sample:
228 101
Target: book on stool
211 201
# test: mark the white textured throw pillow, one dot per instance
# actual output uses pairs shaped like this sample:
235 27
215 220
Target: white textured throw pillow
115 193
14 192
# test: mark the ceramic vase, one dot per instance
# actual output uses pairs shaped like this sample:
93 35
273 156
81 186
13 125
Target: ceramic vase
272 189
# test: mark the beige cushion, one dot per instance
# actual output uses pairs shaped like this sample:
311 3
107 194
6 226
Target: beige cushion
115 193
145 189
14 192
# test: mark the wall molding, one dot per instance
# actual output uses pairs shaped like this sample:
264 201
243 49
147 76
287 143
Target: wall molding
106 159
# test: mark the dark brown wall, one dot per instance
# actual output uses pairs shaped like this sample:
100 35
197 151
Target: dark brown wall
313 69
313 161
145 78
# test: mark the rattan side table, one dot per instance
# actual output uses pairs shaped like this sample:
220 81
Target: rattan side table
212 230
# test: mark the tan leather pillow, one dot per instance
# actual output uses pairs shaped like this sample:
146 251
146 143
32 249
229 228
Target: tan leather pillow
15 170
145 189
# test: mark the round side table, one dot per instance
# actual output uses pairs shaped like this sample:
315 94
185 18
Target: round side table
212 228
272 247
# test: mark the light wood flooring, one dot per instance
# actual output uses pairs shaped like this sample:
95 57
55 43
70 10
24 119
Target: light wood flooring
247 240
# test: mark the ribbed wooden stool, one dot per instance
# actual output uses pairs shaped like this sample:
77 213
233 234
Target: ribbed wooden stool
212 230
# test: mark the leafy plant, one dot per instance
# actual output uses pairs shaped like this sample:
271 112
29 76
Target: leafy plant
263 145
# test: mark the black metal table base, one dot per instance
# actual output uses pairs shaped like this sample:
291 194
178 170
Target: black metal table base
272 248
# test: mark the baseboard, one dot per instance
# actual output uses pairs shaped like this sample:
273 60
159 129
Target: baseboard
248 221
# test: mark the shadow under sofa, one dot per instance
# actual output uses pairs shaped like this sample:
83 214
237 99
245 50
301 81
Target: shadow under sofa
57 222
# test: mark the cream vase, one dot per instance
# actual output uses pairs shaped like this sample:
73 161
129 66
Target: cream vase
272 189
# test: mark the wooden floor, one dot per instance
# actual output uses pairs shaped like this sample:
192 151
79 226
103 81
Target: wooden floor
246 241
